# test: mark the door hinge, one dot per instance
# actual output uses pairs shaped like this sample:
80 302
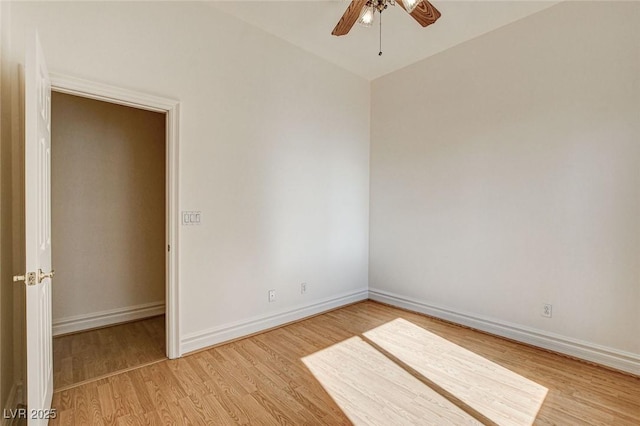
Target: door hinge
168 247
29 279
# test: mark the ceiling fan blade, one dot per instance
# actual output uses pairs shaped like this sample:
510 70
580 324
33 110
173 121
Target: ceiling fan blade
349 17
424 12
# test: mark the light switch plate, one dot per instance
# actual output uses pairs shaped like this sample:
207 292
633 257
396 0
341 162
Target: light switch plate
191 217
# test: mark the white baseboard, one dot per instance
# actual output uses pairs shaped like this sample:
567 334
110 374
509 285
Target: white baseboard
102 319
194 341
620 360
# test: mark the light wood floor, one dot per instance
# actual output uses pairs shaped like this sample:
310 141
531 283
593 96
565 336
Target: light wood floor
364 364
83 356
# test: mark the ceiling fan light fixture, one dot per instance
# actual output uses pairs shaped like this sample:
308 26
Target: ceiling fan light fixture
366 16
410 5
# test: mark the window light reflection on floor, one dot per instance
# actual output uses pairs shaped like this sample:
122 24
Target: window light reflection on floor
372 383
373 390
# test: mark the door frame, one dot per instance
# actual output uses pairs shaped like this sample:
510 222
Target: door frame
171 107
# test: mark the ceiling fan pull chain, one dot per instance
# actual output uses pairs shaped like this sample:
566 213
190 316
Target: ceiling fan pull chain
380 52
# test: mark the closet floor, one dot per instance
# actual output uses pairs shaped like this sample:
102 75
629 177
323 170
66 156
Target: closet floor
88 355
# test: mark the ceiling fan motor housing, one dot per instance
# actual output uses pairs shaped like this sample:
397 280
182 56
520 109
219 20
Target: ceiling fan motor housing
380 5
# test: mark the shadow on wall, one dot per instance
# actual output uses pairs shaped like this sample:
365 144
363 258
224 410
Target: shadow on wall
12 343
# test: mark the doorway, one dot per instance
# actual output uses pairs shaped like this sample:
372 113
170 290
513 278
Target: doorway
148 323
108 221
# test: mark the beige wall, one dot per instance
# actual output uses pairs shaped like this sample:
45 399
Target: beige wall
505 176
108 206
274 151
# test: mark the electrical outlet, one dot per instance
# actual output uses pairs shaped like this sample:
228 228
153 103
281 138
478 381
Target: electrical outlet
546 310
303 288
272 295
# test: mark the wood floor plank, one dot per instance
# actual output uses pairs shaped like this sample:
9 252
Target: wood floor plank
263 380
65 418
94 408
228 401
219 371
239 374
190 379
107 402
81 406
141 392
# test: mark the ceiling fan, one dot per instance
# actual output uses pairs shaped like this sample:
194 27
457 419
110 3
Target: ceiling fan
363 11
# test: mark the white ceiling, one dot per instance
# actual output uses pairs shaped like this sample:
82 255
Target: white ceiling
308 24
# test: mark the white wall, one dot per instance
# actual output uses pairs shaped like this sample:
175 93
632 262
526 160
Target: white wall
108 218
504 175
274 150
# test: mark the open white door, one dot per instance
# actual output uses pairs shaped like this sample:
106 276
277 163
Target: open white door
38 234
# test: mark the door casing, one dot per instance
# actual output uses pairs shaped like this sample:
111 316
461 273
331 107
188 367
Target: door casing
171 108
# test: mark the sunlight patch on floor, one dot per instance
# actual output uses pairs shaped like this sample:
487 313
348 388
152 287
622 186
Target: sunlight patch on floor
373 390
495 392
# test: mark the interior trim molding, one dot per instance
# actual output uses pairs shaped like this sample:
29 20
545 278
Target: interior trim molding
226 332
171 108
105 318
606 356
